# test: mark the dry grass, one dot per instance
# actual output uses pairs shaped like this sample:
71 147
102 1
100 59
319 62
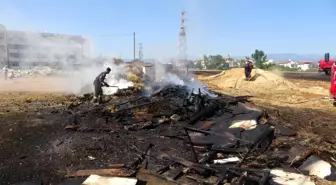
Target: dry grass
297 107
133 78
313 120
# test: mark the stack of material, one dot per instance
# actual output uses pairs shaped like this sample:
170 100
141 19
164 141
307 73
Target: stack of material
37 71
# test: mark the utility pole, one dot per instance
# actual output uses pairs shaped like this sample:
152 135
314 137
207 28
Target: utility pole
140 52
134 46
182 45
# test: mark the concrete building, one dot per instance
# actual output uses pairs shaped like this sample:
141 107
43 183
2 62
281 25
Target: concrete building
3 45
301 65
26 49
305 65
289 64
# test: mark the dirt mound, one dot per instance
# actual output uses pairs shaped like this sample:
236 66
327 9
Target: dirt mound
261 82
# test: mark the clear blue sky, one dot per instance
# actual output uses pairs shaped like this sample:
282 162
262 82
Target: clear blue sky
234 27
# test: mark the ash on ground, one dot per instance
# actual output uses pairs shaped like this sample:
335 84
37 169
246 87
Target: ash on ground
182 134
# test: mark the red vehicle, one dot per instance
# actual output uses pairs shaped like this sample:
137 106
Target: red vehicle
326 66
333 83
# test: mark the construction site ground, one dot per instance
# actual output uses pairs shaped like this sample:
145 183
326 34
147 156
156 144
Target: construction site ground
33 140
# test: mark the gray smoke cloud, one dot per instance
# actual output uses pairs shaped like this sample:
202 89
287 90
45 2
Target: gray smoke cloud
34 47
60 52
82 81
56 49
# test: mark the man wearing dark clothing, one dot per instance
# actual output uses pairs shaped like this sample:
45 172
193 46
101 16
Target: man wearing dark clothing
98 83
248 69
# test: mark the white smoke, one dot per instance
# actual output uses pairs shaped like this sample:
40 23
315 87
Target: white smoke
170 78
113 81
192 83
86 76
195 84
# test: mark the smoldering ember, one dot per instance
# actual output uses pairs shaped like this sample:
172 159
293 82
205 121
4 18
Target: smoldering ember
167 130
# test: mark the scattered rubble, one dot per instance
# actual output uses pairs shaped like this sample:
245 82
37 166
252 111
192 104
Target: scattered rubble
173 134
320 168
228 141
96 180
38 71
280 176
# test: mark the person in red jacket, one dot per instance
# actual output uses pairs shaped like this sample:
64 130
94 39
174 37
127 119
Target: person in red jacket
332 89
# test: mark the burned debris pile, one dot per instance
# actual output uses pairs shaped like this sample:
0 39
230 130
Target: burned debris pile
185 136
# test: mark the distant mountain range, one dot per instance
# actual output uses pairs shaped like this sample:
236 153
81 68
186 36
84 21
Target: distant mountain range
276 57
296 57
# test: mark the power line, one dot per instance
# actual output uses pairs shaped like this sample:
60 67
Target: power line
113 35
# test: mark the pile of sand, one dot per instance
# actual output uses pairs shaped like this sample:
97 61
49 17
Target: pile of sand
262 82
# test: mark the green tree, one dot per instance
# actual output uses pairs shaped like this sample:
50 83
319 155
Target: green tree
190 64
205 58
216 62
198 64
242 63
259 58
118 61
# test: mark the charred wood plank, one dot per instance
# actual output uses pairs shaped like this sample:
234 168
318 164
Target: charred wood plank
144 164
189 164
100 107
221 177
116 165
228 150
209 157
141 158
165 168
126 109
199 181
268 133
154 179
265 177
195 157
125 102
198 130
207 111
104 172
175 111
136 106
177 174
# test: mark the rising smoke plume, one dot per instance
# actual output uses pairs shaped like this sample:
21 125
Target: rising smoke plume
82 80
57 50
65 52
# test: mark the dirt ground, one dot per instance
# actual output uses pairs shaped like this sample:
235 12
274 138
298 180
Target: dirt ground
32 121
296 103
35 144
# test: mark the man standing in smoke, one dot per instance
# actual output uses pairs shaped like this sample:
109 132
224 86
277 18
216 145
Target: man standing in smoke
98 83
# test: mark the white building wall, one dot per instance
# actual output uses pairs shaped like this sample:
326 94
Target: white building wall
26 48
304 67
3 46
290 64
